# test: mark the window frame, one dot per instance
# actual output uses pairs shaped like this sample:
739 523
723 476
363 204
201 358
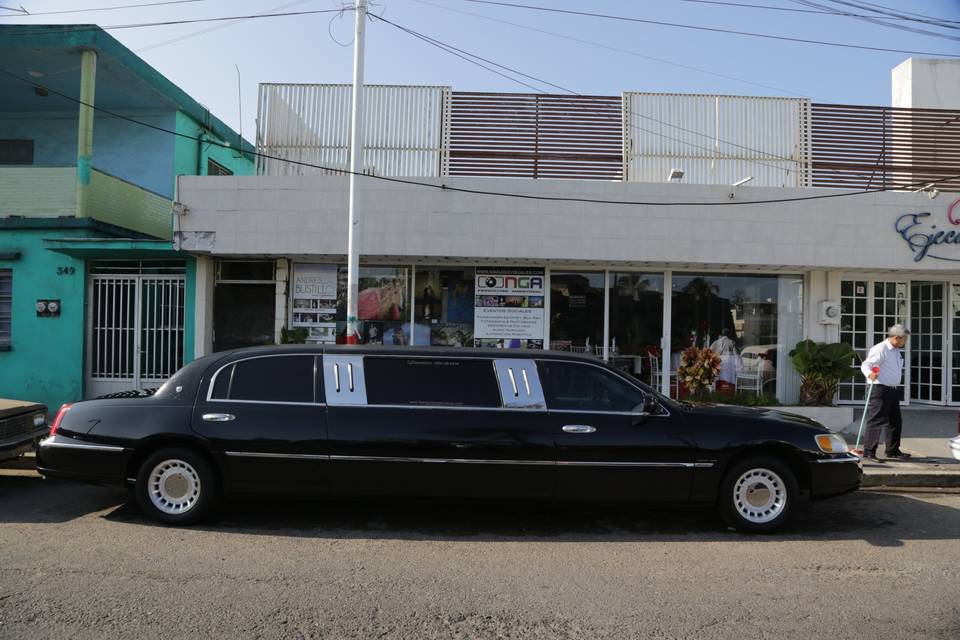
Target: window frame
5 342
317 381
488 361
664 409
221 170
26 142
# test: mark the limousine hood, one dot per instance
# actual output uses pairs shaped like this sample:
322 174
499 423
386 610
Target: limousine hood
751 413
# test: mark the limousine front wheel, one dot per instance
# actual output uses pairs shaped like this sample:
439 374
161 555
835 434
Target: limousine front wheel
758 495
176 486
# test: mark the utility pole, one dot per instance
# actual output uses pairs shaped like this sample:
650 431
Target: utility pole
356 167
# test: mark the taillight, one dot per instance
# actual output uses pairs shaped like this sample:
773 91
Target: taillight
56 421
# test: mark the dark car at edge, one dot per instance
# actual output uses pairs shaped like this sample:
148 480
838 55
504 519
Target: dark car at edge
438 423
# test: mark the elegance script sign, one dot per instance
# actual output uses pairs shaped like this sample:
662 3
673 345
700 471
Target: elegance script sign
926 238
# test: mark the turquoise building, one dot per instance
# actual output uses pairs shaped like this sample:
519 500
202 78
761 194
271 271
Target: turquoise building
93 297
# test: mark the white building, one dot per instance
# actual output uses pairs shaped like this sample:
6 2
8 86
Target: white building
552 221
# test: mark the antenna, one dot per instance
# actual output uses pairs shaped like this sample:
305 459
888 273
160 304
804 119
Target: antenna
240 109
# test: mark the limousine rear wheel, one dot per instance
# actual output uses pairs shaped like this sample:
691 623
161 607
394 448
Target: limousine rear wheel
176 486
758 495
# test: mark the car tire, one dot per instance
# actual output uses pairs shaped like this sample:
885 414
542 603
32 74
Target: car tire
176 486
758 495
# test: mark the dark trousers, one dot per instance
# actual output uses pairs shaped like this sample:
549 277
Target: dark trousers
883 414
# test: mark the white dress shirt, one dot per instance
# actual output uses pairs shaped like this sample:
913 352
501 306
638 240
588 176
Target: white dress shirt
889 359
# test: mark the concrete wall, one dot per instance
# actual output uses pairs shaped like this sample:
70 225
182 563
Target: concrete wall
307 216
925 83
45 361
135 153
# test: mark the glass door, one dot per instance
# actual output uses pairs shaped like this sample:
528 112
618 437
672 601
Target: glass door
927 345
955 344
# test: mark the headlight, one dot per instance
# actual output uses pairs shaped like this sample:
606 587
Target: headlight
832 443
39 419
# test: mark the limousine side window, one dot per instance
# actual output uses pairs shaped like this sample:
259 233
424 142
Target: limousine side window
572 386
452 382
267 379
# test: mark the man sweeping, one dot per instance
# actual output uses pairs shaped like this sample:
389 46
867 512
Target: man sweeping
883 409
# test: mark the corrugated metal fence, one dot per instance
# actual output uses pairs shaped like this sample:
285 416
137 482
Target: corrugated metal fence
309 124
717 139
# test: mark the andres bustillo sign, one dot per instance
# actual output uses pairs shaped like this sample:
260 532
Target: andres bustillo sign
926 238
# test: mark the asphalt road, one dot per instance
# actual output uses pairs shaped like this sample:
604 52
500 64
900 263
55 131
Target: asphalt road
77 562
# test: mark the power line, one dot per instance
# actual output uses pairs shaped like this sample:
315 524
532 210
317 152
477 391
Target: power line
883 21
167 23
123 6
894 15
711 29
216 27
794 10
460 53
445 187
611 48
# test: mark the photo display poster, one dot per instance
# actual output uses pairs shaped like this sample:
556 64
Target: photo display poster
314 298
508 308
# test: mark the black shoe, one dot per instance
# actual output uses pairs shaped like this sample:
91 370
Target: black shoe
896 454
871 457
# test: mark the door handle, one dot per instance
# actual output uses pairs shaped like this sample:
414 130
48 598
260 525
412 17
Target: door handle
578 428
219 417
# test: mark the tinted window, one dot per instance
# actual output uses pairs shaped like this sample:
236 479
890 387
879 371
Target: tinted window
270 379
429 381
583 387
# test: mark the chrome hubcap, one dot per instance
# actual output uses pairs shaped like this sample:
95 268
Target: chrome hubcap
174 486
759 496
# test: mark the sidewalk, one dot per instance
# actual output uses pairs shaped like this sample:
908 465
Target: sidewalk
926 431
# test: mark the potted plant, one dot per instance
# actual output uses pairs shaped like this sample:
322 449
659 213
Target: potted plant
821 367
698 370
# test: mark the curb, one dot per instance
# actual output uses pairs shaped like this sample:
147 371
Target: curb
908 479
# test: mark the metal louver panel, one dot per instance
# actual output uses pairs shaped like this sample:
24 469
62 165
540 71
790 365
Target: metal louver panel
864 147
536 136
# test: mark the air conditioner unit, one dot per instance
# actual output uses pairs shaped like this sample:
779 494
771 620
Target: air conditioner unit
830 312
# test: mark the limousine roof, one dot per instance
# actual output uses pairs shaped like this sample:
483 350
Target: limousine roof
390 350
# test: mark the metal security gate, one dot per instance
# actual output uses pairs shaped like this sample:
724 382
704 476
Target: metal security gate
135 325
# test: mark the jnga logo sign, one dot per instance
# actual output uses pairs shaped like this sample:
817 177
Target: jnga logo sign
925 238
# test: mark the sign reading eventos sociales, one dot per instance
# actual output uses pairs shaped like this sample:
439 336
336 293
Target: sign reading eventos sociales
926 238
508 308
314 296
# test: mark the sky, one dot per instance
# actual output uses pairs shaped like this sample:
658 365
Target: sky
582 54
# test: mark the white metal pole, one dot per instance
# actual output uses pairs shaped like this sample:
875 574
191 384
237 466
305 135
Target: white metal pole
665 355
356 166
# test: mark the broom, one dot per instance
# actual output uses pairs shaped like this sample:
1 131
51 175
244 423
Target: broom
856 449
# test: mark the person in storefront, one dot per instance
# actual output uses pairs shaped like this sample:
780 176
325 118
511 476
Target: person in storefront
726 347
883 409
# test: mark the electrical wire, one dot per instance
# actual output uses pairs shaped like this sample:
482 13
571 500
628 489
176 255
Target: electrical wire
810 11
678 25
882 21
612 48
167 23
123 6
485 192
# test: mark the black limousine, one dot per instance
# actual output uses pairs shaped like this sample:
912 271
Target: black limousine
481 424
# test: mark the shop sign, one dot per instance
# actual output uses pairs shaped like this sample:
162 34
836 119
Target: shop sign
508 307
927 239
314 301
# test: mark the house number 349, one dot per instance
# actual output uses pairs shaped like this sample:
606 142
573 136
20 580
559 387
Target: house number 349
66 271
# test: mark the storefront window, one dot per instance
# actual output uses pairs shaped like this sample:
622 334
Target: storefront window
381 305
739 317
636 323
444 307
244 304
576 311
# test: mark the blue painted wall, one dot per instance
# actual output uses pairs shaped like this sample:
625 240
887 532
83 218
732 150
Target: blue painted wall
129 151
45 362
